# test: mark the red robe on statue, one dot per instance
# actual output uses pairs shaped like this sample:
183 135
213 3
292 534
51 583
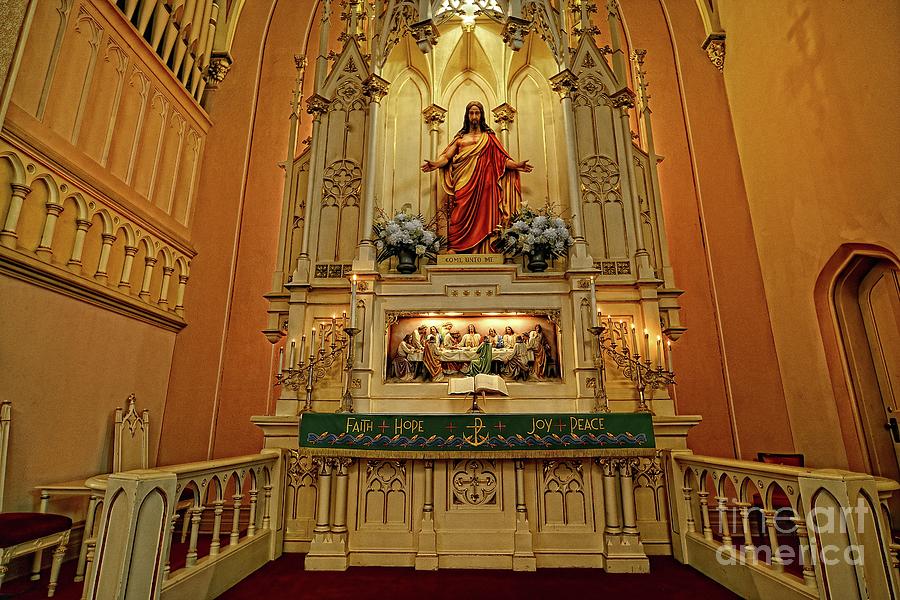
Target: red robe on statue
483 195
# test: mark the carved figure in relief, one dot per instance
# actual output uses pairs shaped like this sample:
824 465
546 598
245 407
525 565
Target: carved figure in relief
471 339
539 348
482 181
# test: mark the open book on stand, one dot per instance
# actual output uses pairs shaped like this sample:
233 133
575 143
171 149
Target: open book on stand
480 383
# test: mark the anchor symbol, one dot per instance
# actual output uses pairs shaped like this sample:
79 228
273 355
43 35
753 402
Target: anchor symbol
475 439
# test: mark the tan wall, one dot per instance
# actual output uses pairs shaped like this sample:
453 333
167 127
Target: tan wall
66 366
725 363
811 87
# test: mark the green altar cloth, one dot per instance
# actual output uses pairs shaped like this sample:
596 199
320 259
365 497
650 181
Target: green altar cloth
481 435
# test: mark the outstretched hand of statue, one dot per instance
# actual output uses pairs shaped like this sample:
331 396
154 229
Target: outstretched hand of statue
523 166
429 166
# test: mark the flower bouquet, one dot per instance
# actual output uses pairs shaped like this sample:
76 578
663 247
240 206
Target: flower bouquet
539 234
406 236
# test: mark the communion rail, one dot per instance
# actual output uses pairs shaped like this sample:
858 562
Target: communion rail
231 512
772 531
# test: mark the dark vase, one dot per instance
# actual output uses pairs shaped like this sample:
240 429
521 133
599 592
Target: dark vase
537 261
406 261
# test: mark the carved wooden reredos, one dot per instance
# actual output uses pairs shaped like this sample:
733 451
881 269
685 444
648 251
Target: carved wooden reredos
392 91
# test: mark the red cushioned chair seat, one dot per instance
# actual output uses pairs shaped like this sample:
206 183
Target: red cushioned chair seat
16 528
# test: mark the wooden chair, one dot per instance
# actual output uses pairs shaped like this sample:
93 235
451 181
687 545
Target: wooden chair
131 450
23 533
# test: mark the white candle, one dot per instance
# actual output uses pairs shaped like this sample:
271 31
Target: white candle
646 345
659 356
291 355
280 360
302 347
594 315
669 356
633 339
353 301
312 343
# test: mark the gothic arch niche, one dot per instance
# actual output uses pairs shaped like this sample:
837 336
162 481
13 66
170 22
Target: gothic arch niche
402 182
866 304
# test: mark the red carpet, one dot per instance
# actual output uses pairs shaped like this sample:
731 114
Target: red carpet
285 578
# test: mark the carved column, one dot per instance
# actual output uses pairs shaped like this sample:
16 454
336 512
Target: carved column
565 83
327 551
629 512
618 56
196 514
504 115
216 544
426 553
45 248
339 516
704 515
149 263
81 227
316 106
127 265
375 88
434 116
8 236
103 263
179 294
624 100
523 548
625 553
164 287
610 500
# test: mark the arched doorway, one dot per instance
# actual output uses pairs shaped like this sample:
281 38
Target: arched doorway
866 300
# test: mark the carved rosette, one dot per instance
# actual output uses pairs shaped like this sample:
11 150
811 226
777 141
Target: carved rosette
375 88
715 49
425 33
474 483
564 83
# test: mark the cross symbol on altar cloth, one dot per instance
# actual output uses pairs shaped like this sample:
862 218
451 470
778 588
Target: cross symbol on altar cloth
451 427
383 426
560 425
500 426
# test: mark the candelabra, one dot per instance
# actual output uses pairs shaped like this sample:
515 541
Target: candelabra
307 371
636 368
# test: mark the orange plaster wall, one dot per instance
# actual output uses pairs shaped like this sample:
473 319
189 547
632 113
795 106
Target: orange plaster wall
811 86
193 398
66 367
727 371
246 382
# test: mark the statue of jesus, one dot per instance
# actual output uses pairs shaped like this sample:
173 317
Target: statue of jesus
482 181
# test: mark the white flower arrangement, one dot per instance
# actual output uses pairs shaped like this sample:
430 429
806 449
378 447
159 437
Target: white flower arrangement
405 232
531 232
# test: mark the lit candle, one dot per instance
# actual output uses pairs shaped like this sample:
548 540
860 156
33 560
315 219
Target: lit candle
353 301
312 343
669 356
343 319
594 315
302 347
291 355
280 360
659 356
633 339
646 346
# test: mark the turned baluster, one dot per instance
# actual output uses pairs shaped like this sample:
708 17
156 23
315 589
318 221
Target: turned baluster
196 513
103 263
167 568
777 562
687 493
149 263
806 556
81 227
127 265
251 526
218 509
749 548
724 528
179 294
235 521
164 287
267 499
704 515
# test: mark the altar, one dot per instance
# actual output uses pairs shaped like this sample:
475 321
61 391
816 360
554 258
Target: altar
527 245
